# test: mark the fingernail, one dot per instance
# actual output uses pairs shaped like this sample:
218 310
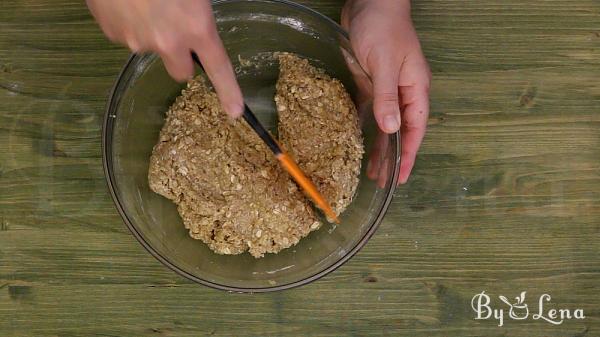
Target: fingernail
391 123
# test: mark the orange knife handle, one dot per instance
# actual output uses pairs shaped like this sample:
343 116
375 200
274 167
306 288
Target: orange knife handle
306 184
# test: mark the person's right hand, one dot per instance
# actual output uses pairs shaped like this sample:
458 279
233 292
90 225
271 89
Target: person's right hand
173 29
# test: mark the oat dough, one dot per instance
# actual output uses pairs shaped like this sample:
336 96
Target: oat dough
230 190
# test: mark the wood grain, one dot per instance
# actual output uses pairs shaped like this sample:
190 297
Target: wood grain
505 195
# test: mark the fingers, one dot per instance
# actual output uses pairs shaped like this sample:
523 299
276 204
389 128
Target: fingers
414 124
176 57
383 177
363 84
204 40
209 48
174 31
385 98
217 65
377 156
178 64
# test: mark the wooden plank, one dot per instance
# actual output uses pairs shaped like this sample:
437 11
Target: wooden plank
505 195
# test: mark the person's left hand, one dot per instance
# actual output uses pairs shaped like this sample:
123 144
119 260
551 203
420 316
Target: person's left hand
387 47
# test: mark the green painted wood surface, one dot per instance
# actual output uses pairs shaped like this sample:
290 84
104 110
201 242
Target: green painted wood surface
505 195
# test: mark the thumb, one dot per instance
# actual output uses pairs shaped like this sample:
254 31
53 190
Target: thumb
386 105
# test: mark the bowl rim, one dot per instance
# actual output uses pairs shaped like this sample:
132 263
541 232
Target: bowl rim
110 180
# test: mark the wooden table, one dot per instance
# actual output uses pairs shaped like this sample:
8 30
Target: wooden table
505 197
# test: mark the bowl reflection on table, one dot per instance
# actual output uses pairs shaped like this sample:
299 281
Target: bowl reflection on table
251 31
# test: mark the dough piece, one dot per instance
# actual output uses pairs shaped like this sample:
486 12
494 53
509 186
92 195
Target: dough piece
318 124
229 189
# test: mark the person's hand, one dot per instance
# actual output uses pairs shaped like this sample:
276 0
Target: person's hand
173 29
387 47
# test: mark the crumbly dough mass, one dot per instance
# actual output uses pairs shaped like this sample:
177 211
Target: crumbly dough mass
229 188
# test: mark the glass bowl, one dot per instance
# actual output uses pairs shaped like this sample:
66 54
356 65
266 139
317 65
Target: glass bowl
251 32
